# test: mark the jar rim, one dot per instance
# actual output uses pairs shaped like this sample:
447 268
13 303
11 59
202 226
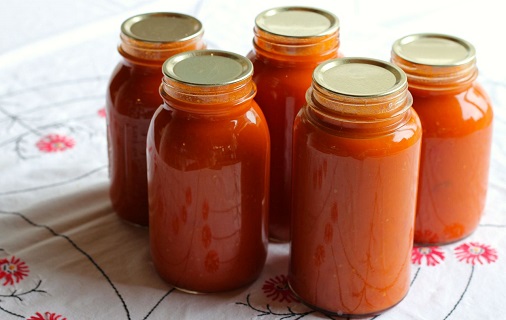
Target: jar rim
207 68
359 77
286 22
434 49
162 27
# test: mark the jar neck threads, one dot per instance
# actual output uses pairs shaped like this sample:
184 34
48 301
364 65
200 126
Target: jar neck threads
155 53
206 99
444 78
298 49
381 113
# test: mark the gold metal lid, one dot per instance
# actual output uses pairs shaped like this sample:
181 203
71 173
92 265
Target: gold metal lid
162 27
208 68
360 77
297 22
436 50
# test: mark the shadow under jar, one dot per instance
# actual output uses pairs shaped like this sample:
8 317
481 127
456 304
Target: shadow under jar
289 43
208 174
147 40
355 174
456 117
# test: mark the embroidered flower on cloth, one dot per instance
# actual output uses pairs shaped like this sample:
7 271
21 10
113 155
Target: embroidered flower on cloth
432 255
12 271
277 289
101 113
55 143
473 252
47 316
426 236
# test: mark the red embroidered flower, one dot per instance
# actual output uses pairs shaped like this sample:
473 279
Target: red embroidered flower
277 289
319 256
454 231
47 316
207 236
473 252
432 255
13 270
101 113
212 261
426 236
55 143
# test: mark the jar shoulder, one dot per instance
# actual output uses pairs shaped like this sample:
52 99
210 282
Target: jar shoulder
126 73
205 139
250 117
281 86
358 144
134 90
284 66
450 114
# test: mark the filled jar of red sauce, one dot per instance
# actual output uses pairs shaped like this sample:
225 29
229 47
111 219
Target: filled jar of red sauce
147 40
355 173
208 174
289 42
456 117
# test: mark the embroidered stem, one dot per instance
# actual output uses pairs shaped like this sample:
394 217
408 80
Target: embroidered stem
11 313
463 293
269 311
159 301
18 295
73 244
414 277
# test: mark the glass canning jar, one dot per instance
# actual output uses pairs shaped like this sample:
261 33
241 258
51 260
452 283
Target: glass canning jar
147 40
208 174
288 43
355 175
456 116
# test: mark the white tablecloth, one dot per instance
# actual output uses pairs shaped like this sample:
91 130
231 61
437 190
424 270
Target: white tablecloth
64 254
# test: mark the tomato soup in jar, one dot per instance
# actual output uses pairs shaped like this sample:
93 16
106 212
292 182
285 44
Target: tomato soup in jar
355 173
289 42
208 154
147 40
456 117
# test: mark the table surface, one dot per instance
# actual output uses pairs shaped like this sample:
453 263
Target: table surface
71 257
